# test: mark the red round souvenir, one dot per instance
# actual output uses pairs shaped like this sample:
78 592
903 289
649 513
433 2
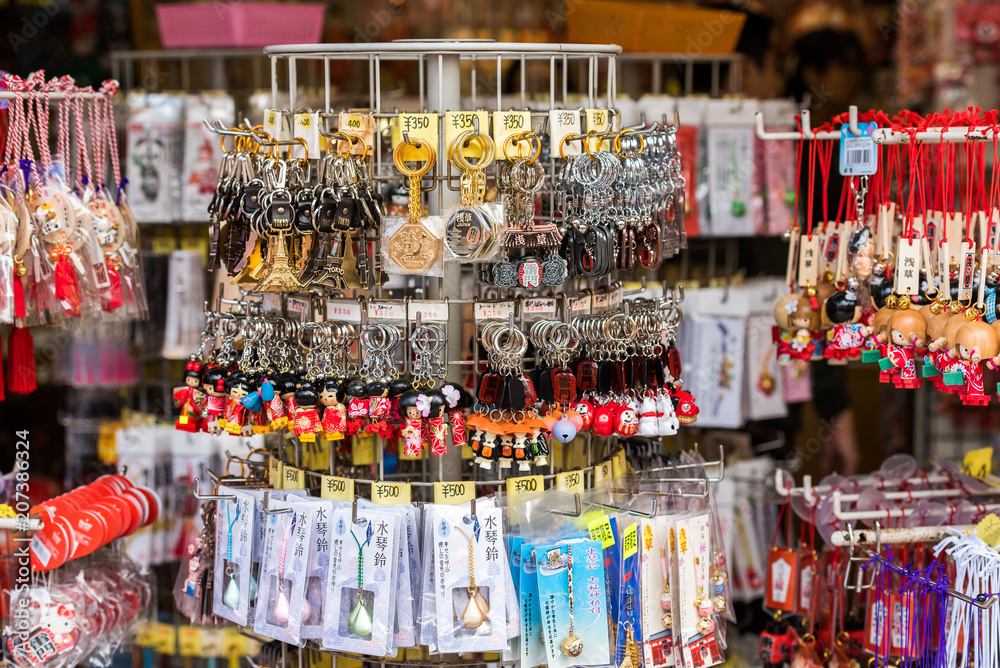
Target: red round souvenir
626 421
154 503
50 547
604 421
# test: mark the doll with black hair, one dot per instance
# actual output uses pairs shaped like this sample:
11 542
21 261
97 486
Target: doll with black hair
435 431
213 415
332 397
845 338
357 405
413 443
273 412
457 399
285 386
307 422
238 417
190 398
396 390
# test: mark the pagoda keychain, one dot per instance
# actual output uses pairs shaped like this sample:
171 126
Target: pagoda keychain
470 232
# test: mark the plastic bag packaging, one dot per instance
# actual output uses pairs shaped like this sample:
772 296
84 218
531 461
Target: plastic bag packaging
281 608
317 567
359 609
233 572
153 148
413 248
476 233
202 152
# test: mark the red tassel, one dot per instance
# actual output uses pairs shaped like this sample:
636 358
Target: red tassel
67 287
20 361
113 295
20 310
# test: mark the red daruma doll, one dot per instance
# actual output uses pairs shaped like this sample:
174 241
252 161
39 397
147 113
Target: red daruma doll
907 333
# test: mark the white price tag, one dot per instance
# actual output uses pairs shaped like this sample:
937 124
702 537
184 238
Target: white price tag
298 308
436 311
858 155
601 301
276 125
579 305
386 311
307 128
562 123
616 297
539 306
494 310
343 310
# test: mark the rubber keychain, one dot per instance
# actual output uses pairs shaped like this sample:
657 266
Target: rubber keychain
232 596
360 619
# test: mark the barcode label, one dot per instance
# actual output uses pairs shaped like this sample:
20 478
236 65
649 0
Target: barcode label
858 155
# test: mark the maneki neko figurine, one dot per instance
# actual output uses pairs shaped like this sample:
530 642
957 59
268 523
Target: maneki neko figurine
907 334
797 320
975 343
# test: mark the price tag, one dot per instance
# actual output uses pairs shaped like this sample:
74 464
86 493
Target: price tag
601 301
145 634
336 489
989 530
298 308
616 297
391 493
360 125
579 305
619 465
457 122
363 452
213 642
190 640
435 311
600 529
507 124
809 260
276 125
293 478
386 311
494 310
598 120
454 493
416 126
274 472
858 155
562 123
165 639
523 489
978 463
570 481
306 126
343 310
630 540
602 474
164 245
541 306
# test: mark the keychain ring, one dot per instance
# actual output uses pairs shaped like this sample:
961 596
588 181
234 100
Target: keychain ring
486 145
397 158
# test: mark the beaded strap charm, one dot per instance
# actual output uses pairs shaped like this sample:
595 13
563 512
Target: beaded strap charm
572 645
360 619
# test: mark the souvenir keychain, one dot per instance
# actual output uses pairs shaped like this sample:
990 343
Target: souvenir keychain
471 232
411 245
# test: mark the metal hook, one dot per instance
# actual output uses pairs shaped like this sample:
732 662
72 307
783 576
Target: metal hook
211 497
577 512
267 506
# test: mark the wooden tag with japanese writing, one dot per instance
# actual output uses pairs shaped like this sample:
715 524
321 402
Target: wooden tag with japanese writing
809 257
907 266
966 271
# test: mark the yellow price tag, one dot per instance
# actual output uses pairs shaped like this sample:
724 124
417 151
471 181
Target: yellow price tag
989 530
467 452
363 451
978 463
454 493
274 472
598 120
570 481
417 126
293 478
213 642
190 640
457 122
525 488
163 245
390 493
618 465
336 489
165 639
602 474
600 529
144 634
505 125
359 125
630 541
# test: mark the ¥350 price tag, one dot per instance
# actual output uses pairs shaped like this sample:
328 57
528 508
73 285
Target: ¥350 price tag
343 310
506 124
570 481
416 126
563 123
457 122
454 493
390 493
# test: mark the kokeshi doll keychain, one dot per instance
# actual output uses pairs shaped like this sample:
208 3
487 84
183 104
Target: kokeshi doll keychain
907 334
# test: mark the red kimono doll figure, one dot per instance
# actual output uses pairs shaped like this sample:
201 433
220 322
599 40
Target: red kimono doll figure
955 368
437 436
907 332
307 423
238 418
803 321
286 391
413 443
879 341
274 408
455 398
357 407
334 411
780 334
379 408
846 335
975 343
213 382
190 398
936 360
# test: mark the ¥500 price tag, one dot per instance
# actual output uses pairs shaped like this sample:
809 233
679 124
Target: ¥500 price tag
337 489
523 489
454 493
391 493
